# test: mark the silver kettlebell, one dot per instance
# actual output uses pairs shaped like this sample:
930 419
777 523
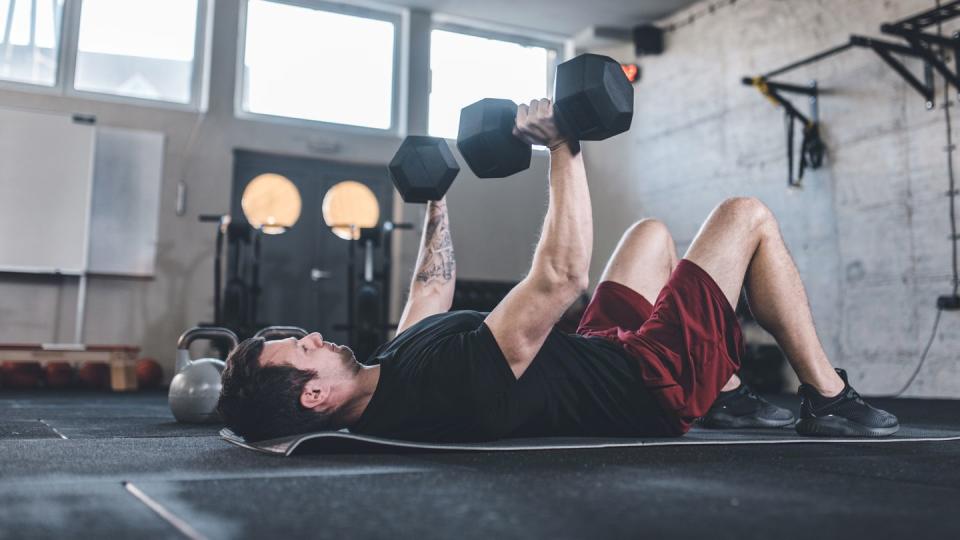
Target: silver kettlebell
280 332
195 388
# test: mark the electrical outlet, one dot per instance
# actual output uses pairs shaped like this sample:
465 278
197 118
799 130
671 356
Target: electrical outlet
948 302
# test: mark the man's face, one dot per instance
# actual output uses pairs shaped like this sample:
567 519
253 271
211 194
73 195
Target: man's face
329 360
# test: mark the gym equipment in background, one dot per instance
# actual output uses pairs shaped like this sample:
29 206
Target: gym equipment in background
368 323
21 375
94 375
51 365
223 225
271 205
234 304
423 169
368 316
367 326
923 39
351 211
479 295
195 388
58 375
281 332
919 44
349 207
149 374
593 101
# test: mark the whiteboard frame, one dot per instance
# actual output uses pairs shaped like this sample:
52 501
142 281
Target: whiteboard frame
85 254
80 272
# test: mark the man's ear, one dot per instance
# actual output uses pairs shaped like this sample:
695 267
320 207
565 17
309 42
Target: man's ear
315 394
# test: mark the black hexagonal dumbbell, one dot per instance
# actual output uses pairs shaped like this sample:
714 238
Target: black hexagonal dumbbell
594 101
486 140
423 169
594 97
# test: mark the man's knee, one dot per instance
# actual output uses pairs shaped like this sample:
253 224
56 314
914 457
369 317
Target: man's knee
750 210
649 229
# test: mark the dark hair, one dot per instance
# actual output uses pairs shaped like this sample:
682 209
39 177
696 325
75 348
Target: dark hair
263 402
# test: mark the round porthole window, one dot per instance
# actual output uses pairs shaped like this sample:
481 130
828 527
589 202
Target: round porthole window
350 206
271 203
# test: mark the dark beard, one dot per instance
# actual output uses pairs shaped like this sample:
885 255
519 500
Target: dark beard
349 359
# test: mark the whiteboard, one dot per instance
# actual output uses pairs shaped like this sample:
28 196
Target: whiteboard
128 171
46 184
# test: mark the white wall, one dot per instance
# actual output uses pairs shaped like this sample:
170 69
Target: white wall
868 231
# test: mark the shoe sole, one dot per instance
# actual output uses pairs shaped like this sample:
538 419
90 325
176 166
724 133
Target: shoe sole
835 426
726 421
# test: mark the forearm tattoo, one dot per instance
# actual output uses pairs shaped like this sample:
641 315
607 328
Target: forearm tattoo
436 263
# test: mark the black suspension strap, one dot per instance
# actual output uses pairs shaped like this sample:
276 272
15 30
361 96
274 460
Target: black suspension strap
812 148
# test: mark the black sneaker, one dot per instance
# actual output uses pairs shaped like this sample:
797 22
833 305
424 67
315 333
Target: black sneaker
844 415
741 408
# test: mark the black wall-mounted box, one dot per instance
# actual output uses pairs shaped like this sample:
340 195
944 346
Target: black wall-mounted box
647 39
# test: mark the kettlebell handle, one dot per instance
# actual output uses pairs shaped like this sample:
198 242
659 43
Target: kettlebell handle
207 332
279 332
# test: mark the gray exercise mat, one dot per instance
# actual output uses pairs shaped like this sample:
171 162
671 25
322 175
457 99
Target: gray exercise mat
335 442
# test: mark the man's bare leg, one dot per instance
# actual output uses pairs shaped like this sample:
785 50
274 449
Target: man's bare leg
740 245
643 260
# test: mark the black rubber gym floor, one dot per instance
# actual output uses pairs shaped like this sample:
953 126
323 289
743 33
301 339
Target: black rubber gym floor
81 466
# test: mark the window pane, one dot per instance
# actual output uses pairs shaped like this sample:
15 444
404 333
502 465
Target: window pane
318 65
468 68
138 48
29 37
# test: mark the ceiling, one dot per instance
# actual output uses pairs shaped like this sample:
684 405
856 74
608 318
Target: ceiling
562 17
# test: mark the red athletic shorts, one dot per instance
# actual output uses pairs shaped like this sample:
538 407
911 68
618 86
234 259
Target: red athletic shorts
688 343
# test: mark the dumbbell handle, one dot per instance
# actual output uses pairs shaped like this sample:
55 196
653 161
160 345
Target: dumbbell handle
207 332
275 332
572 140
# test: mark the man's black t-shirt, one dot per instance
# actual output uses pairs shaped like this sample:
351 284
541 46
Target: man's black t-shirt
446 379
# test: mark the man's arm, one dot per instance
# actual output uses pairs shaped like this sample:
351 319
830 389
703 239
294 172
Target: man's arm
559 273
431 290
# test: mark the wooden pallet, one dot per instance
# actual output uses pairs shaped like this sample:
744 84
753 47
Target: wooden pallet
121 358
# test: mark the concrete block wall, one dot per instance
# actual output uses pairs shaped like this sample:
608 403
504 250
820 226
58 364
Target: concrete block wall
869 230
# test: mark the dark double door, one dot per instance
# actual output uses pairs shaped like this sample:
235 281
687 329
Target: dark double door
303 272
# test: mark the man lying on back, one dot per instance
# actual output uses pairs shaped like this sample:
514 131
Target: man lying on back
657 346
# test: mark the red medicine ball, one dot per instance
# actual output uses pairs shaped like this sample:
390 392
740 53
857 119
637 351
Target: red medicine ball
149 373
59 375
21 375
94 375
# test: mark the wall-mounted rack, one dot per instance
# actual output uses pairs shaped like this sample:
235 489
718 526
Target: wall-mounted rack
920 44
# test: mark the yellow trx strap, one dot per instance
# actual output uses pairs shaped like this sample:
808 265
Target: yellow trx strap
761 84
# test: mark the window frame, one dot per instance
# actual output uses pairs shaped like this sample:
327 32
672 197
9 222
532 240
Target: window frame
560 45
397 16
69 48
57 87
